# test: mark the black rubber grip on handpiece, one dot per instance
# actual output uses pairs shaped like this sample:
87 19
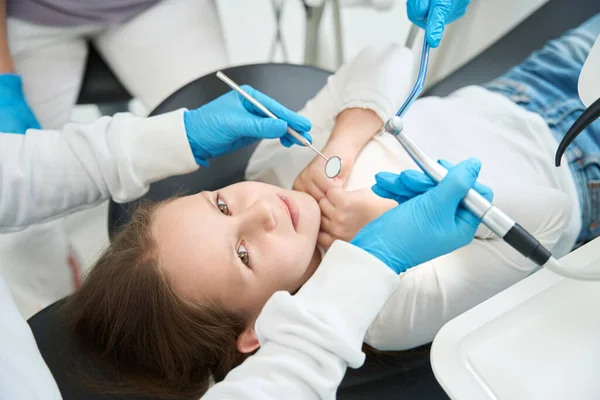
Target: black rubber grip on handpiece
524 243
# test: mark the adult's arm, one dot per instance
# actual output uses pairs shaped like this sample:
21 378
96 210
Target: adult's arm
433 293
309 339
46 174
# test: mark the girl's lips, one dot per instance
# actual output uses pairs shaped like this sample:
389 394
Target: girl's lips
293 211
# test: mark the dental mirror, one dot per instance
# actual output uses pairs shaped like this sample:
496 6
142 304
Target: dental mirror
333 167
334 164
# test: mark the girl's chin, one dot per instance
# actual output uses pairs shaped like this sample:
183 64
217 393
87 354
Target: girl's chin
309 208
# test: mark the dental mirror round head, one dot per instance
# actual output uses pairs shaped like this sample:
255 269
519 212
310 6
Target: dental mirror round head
333 167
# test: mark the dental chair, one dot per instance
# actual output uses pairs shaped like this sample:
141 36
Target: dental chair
384 377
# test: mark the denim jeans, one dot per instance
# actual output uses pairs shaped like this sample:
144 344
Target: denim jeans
546 84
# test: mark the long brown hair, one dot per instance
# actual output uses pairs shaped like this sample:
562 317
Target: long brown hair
149 340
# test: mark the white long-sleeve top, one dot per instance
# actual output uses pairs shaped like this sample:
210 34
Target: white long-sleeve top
47 174
517 152
307 340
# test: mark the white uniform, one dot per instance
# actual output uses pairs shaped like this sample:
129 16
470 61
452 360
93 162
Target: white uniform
517 152
152 53
45 174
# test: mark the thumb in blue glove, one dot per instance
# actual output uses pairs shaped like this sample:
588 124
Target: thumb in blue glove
231 122
427 223
15 114
434 15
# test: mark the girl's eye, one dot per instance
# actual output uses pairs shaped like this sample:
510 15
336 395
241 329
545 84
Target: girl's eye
243 254
222 206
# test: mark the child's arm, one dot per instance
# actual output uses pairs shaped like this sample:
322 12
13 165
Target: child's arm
375 82
354 127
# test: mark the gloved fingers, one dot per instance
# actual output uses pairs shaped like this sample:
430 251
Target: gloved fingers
241 143
458 10
437 18
416 181
469 220
392 195
294 120
400 188
263 128
288 140
459 180
417 11
483 190
385 193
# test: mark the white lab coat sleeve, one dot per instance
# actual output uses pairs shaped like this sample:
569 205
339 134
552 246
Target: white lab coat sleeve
433 293
309 339
23 372
378 78
47 174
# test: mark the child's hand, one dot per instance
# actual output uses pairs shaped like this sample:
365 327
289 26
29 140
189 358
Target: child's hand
312 179
344 213
354 127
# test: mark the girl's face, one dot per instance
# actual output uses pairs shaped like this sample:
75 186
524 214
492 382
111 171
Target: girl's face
239 245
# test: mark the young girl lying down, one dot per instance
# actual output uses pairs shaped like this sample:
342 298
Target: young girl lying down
171 303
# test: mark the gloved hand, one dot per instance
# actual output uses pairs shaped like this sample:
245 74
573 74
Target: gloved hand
428 222
15 114
433 15
231 122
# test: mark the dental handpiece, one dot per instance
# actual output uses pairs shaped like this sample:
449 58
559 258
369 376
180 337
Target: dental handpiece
491 216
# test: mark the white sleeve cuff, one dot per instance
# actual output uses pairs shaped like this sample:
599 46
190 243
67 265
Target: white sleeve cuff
158 146
349 287
370 99
334 309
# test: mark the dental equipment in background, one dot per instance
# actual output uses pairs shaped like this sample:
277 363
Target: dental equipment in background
588 88
491 216
334 164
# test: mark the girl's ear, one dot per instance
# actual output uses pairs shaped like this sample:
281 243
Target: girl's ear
248 341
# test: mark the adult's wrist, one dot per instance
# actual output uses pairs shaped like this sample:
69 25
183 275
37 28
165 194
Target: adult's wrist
200 154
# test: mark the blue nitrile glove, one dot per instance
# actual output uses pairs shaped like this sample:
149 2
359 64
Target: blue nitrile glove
15 114
411 183
231 122
428 222
434 15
